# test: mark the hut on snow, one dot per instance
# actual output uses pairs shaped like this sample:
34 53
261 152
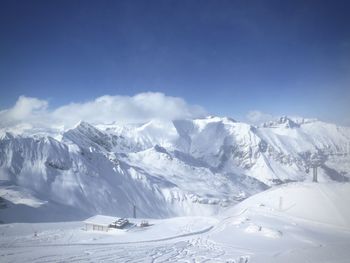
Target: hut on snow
99 223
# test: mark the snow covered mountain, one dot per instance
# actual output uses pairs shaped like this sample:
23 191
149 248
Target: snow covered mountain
182 167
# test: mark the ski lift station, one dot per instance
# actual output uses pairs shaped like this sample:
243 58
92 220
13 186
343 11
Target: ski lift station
103 223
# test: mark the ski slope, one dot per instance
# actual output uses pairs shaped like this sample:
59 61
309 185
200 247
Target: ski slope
258 229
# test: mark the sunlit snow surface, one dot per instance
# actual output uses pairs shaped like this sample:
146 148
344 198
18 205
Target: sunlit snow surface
260 229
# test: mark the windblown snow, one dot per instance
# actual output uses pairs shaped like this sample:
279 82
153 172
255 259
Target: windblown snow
166 168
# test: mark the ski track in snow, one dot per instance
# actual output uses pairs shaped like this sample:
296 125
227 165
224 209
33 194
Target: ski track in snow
200 246
198 249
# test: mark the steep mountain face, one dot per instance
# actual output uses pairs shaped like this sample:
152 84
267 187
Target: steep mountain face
165 169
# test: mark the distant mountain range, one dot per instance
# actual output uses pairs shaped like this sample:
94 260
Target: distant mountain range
165 168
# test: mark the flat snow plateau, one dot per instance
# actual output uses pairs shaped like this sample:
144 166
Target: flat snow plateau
297 222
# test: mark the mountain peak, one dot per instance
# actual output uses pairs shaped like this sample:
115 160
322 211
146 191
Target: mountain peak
288 122
213 118
7 135
282 122
169 166
83 124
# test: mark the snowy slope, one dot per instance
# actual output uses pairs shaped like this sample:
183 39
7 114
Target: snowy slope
311 225
183 167
255 230
324 203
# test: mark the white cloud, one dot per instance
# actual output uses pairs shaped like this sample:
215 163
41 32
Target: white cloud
258 117
105 109
25 109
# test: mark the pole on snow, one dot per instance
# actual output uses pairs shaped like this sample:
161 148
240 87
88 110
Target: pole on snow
314 177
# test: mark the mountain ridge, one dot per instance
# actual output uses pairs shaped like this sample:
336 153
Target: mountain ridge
167 168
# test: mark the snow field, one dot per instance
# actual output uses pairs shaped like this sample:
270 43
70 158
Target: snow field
255 230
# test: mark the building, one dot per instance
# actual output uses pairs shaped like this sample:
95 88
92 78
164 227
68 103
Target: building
99 223
120 223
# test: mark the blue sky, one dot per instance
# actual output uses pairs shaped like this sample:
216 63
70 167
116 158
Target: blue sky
230 57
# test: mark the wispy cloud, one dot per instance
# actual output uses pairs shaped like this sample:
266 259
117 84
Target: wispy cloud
257 117
35 112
